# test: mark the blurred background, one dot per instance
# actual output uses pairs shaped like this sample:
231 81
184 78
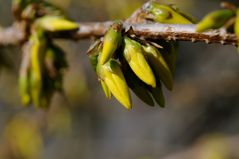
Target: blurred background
200 121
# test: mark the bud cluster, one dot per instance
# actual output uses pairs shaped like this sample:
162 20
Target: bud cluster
43 62
121 60
124 61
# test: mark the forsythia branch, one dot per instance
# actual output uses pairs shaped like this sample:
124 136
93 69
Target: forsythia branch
15 34
159 31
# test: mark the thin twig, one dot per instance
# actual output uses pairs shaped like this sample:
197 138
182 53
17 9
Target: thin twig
15 34
136 24
159 31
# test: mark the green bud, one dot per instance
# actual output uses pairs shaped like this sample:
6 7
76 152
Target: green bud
113 77
159 66
38 49
112 41
93 53
166 14
134 55
56 24
136 85
214 20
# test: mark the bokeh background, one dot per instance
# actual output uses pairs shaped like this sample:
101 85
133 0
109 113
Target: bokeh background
200 121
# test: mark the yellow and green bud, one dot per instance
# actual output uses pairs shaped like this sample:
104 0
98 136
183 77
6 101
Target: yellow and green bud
93 53
113 77
56 24
38 49
215 20
159 65
134 55
136 85
112 40
166 14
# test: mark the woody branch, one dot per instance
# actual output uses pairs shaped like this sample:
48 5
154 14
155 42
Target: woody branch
15 34
136 25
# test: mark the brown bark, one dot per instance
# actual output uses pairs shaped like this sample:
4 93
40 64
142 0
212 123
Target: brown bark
15 34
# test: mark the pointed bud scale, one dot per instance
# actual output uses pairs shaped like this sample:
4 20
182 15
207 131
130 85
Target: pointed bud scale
56 24
214 20
133 53
112 41
159 65
166 14
113 77
93 53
